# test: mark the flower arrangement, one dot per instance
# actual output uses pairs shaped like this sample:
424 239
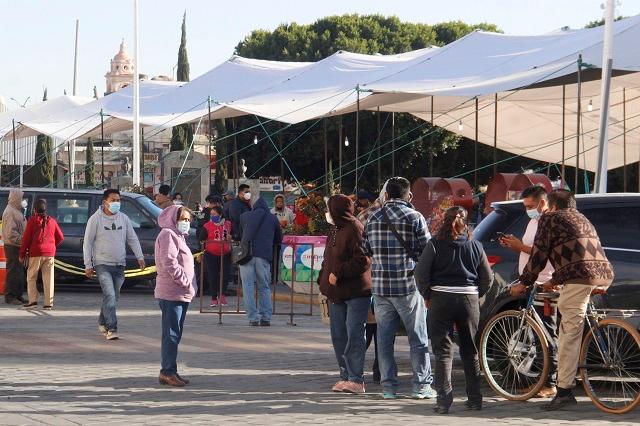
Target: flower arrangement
310 218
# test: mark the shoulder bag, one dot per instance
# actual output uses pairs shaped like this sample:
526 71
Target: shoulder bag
408 248
243 252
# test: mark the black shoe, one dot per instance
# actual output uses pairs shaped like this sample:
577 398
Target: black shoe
376 378
560 402
30 305
47 307
265 323
443 403
12 301
473 405
254 323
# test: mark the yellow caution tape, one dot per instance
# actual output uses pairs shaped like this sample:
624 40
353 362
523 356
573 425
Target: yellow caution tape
72 269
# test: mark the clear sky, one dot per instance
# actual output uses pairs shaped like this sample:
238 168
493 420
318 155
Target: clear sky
37 36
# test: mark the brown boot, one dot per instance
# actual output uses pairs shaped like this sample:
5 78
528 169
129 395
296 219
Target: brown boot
170 380
185 381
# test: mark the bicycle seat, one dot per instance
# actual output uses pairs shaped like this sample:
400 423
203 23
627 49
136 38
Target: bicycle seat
553 295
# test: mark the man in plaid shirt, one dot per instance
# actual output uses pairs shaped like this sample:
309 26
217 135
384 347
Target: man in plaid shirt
395 293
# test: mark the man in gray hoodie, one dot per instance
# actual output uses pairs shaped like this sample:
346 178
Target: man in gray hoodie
105 238
13 224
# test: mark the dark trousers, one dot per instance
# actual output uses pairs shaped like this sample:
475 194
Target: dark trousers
463 310
550 323
173 316
16 275
213 266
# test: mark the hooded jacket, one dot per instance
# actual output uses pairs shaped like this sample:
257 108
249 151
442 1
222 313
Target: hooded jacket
286 214
174 261
344 255
267 236
105 240
13 221
41 236
163 201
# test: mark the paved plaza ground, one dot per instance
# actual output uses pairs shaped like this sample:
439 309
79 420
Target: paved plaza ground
57 369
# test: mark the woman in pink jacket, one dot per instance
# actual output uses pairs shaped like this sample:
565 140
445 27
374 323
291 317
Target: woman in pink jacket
175 286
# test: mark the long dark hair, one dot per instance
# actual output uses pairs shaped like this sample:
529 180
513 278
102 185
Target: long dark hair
40 208
454 224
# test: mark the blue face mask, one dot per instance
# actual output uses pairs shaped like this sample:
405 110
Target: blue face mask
216 219
114 207
183 227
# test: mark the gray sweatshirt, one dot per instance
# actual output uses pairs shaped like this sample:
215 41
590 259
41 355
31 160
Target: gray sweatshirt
105 238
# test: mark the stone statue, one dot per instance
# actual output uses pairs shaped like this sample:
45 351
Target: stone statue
243 169
127 167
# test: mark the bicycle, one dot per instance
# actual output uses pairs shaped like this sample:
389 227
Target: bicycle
515 346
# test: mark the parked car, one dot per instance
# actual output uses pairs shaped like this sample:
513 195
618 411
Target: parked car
616 217
72 209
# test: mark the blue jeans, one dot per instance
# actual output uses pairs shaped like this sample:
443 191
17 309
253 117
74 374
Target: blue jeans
413 314
173 315
348 321
256 274
111 279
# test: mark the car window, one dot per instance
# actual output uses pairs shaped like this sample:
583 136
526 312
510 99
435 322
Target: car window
68 209
3 201
152 209
615 225
136 215
506 220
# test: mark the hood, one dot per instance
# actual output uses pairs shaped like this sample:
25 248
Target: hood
15 198
280 197
260 204
169 218
341 209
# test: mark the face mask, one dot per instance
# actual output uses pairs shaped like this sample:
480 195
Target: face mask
114 207
24 204
247 196
533 213
329 219
177 202
183 227
215 219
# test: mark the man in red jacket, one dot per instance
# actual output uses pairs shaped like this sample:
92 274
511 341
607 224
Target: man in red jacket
39 241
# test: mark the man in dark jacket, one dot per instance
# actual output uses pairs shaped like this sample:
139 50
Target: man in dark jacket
239 205
262 230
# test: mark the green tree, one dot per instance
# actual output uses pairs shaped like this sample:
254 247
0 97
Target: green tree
44 156
222 163
600 22
90 168
181 135
367 34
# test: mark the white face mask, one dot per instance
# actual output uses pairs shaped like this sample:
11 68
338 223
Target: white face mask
247 196
329 219
534 213
24 204
183 227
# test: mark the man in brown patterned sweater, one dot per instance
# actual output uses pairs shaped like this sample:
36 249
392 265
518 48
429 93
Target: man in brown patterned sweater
567 240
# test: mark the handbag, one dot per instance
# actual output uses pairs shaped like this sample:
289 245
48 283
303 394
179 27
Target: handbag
243 252
408 248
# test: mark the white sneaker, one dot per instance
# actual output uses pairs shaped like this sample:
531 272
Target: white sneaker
112 335
102 329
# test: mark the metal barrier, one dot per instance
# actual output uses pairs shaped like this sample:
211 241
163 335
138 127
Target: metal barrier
275 272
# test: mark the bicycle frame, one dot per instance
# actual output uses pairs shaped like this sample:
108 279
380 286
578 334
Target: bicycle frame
592 320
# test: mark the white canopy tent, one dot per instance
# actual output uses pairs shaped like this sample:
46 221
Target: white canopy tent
526 72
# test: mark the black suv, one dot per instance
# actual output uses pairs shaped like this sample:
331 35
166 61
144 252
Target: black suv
72 209
616 217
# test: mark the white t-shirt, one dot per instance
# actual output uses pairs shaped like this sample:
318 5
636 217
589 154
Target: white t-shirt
527 240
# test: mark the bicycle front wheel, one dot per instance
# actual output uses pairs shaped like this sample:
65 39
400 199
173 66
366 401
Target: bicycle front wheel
514 355
610 366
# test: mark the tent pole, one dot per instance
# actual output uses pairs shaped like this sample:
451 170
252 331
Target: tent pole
379 143
340 154
326 155
576 186
475 152
624 138
136 99
564 101
142 158
393 144
102 144
495 136
355 188
431 141
235 155
13 126
210 139
280 136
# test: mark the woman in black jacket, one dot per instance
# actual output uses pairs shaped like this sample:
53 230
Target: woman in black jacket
453 272
345 279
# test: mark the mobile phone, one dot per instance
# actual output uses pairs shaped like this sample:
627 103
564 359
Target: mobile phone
501 234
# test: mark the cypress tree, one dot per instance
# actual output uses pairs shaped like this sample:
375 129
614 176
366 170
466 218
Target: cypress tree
90 166
43 157
181 135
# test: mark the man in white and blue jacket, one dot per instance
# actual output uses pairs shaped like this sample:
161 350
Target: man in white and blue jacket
108 231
